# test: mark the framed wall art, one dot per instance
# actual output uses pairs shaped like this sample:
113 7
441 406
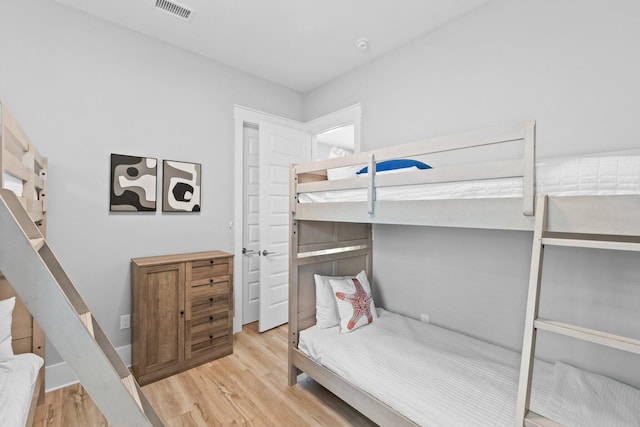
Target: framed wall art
180 186
133 183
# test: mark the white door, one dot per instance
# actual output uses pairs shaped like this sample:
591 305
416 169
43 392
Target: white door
250 227
280 147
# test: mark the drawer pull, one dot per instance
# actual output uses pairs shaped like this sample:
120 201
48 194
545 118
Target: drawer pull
210 280
211 299
181 312
210 317
210 337
211 262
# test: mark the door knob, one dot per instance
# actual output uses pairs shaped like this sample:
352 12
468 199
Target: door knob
266 252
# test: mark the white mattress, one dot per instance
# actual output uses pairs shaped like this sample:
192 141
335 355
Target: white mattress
18 376
437 377
595 176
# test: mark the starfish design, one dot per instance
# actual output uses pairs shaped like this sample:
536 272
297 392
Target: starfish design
361 302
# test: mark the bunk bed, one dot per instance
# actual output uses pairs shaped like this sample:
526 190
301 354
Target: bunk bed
31 271
23 170
331 238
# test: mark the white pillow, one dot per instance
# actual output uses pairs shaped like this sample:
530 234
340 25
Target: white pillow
343 172
355 302
326 309
6 311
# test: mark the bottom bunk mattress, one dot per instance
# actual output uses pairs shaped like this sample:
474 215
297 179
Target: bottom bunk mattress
18 376
437 377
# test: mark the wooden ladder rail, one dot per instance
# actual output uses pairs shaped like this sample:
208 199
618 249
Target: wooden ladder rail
524 416
46 290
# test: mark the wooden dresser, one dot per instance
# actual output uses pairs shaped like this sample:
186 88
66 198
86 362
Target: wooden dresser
182 312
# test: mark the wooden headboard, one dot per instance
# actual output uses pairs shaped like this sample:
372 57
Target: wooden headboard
326 248
23 170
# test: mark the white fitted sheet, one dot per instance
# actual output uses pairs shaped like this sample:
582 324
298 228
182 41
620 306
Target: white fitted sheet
18 376
582 176
438 377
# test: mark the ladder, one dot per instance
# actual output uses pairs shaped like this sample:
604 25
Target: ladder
38 278
542 237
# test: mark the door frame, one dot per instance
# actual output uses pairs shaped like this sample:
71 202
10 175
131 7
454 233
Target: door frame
244 115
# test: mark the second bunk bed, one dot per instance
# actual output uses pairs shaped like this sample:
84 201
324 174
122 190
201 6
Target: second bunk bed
399 371
22 342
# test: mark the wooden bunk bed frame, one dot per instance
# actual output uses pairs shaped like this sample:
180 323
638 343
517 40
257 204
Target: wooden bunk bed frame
49 294
504 213
335 239
22 161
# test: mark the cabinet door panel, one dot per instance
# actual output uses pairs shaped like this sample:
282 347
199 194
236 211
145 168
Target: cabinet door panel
162 316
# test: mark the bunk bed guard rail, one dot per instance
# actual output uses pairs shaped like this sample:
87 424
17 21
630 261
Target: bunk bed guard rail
312 177
24 170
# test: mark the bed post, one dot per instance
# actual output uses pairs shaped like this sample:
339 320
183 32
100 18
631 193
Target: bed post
293 276
529 175
371 189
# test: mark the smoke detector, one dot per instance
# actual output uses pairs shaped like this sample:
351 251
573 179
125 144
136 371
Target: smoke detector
362 44
175 9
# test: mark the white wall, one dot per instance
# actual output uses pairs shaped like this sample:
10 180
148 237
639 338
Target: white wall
82 89
572 66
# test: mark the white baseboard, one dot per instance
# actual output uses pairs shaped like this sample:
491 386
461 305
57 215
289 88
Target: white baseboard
61 375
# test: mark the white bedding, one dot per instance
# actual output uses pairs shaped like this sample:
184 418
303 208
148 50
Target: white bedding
12 183
596 176
18 376
437 377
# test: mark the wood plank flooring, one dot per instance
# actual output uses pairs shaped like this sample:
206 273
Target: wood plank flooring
246 388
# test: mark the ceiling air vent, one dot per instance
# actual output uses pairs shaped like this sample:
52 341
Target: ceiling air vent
176 9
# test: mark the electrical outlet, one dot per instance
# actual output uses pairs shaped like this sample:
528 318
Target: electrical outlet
125 321
424 318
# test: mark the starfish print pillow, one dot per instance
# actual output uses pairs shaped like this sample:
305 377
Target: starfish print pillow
354 301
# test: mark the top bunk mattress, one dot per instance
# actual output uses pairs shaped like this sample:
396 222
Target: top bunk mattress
583 176
437 377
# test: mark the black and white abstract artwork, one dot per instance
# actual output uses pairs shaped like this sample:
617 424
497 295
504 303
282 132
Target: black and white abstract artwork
133 183
180 186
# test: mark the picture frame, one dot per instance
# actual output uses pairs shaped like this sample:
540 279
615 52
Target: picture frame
181 186
133 185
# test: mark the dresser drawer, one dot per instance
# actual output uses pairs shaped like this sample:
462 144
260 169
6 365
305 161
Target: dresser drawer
218 343
208 338
208 288
208 305
206 269
209 322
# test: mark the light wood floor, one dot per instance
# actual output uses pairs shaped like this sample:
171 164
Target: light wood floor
248 387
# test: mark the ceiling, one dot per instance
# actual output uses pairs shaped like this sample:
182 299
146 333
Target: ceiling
300 44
